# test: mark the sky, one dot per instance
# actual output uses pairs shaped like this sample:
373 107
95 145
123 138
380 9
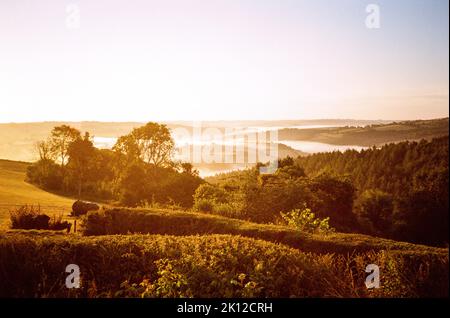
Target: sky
137 60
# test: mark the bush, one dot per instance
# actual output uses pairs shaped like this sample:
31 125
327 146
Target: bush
306 221
210 192
227 210
46 174
57 224
30 217
204 205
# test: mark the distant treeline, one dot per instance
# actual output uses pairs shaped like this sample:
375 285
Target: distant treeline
402 188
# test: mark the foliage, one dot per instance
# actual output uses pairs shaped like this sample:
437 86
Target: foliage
204 266
413 174
377 207
15 192
170 284
397 191
151 143
157 221
60 139
46 174
81 151
139 171
305 220
203 205
259 198
30 217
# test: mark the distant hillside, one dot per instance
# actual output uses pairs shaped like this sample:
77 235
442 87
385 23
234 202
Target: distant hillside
372 134
17 139
14 191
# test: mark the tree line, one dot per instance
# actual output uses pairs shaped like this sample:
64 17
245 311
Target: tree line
398 191
263 198
402 188
137 171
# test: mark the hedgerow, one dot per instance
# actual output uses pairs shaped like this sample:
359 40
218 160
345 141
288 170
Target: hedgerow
153 221
32 264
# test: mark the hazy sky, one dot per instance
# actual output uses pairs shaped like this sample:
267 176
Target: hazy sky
229 59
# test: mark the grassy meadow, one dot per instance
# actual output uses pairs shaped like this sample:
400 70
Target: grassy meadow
15 192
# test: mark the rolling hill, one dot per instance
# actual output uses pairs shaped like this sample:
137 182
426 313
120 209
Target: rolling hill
14 191
138 243
372 134
17 140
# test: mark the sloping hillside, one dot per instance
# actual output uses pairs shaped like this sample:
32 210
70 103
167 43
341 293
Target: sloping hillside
14 191
371 135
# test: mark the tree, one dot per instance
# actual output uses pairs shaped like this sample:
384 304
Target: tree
127 150
81 153
133 190
151 143
44 149
60 139
333 197
46 174
188 168
425 210
377 207
45 162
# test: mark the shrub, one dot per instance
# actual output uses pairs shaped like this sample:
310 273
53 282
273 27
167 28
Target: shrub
204 205
28 217
57 224
46 174
210 192
227 210
306 221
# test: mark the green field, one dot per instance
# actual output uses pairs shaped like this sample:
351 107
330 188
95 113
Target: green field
14 192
